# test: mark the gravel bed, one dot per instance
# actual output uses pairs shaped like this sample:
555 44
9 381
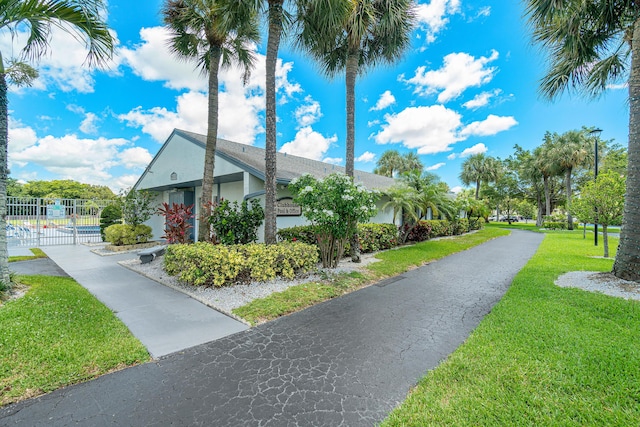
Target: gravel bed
227 298
596 281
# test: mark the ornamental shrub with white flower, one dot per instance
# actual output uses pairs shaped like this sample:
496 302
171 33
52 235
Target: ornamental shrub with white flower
334 205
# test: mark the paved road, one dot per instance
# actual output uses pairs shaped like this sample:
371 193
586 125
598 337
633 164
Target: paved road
346 362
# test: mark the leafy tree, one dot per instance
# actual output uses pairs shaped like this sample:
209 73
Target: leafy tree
478 169
67 189
592 44
15 188
572 150
109 216
138 206
525 209
602 201
403 199
214 34
82 18
335 206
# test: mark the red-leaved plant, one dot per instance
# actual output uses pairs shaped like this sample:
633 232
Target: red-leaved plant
177 224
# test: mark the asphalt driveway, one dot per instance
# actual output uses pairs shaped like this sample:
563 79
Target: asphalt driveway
348 361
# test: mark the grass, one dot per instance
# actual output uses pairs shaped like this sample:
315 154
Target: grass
56 335
392 262
37 253
544 356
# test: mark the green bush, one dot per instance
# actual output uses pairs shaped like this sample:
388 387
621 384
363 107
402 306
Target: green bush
439 227
553 225
109 216
205 264
125 234
373 237
234 224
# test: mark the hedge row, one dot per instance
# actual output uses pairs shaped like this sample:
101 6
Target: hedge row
373 237
126 234
205 264
377 237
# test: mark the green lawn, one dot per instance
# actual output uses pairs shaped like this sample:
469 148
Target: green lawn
37 253
544 356
59 334
393 262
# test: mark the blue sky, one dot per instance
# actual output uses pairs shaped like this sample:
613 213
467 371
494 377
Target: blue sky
467 85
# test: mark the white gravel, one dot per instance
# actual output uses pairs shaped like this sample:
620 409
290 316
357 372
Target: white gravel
227 298
605 283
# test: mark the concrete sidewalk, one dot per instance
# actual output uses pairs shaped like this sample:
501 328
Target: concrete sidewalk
163 319
346 362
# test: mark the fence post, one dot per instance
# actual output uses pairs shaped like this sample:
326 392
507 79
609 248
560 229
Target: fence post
73 221
38 221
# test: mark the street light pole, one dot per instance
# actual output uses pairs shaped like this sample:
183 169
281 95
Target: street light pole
596 133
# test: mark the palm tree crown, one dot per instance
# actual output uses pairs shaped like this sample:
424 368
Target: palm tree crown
214 34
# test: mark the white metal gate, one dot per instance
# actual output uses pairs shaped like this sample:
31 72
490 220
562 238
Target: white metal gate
36 222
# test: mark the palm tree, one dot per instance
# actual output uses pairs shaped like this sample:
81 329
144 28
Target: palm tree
214 34
591 44
349 36
403 199
392 163
546 166
573 149
478 169
389 163
277 18
83 19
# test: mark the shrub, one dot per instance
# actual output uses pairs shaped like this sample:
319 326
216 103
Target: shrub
109 216
205 264
176 219
373 237
234 224
138 206
335 205
127 234
555 222
421 231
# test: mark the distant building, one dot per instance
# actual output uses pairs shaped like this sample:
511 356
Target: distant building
176 174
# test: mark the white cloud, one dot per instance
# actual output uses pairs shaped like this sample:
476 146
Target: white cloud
366 157
308 113
490 126
63 66
479 148
432 16
459 72
456 189
20 137
429 129
333 160
435 167
136 157
481 99
309 143
451 156
89 125
240 105
386 99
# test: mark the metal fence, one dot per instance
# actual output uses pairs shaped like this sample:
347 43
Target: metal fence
36 222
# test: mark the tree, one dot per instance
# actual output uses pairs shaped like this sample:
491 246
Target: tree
478 169
573 149
351 35
276 18
392 163
602 201
213 34
592 44
403 199
82 18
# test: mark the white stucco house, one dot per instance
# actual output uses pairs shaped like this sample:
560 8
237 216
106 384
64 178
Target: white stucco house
175 173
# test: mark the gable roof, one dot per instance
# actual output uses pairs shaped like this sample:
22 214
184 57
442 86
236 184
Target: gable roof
252 159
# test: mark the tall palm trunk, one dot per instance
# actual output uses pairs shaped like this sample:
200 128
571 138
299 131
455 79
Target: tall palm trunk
627 263
567 181
4 139
270 183
210 149
351 74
